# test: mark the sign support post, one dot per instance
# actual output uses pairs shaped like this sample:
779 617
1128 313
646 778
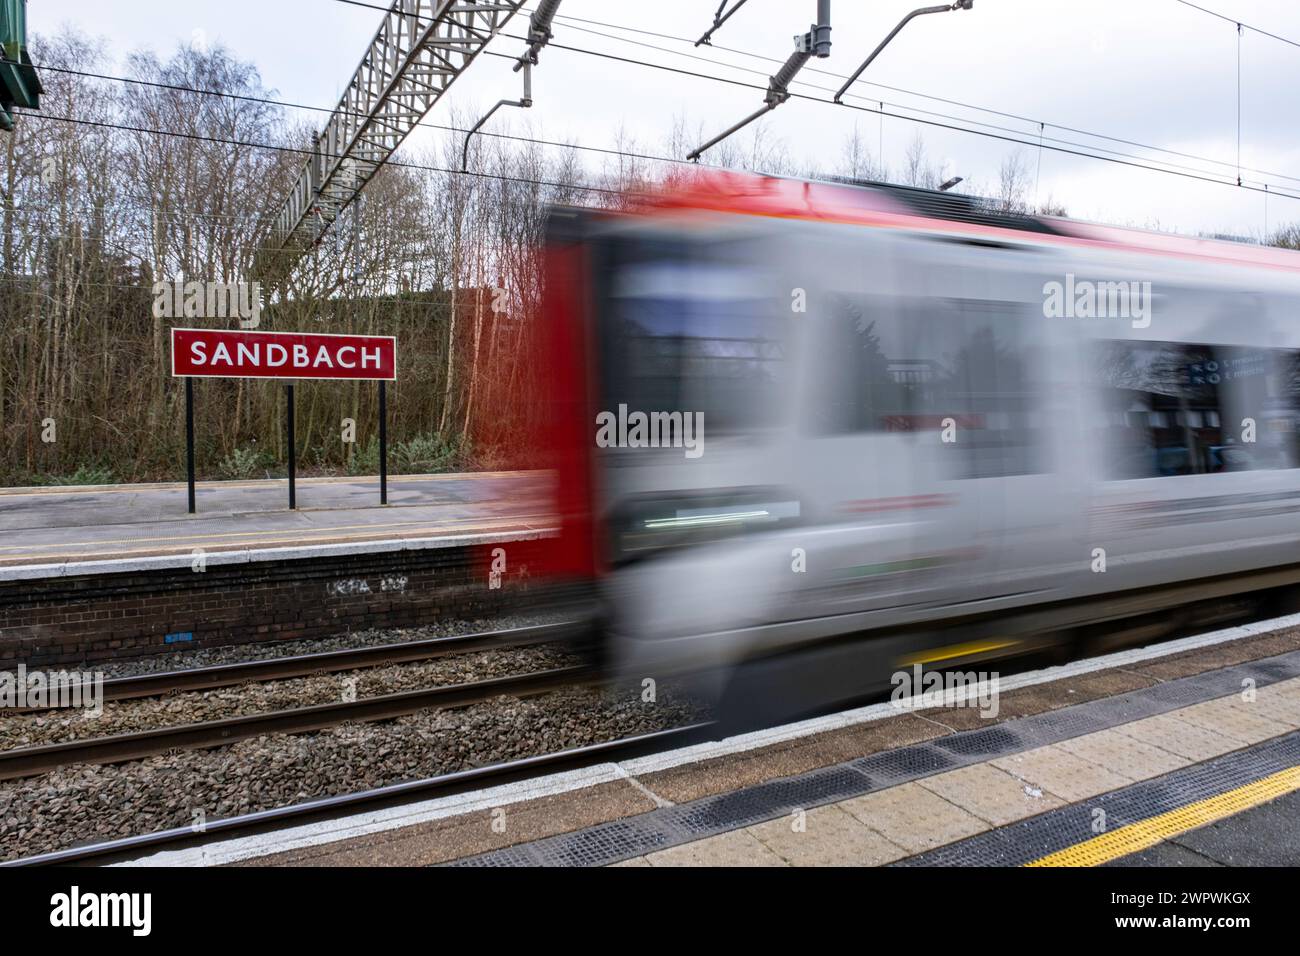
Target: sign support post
383 442
189 438
293 456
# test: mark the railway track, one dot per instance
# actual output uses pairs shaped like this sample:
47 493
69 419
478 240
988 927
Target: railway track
327 662
132 746
30 761
326 808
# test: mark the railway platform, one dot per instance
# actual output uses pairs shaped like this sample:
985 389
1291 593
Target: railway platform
53 531
1182 753
94 573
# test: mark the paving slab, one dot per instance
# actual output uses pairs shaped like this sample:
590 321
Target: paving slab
1055 770
992 794
914 818
736 848
827 836
1124 755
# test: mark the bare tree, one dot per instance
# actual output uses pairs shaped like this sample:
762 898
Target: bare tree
1287 237
1012 197
917 169
856 159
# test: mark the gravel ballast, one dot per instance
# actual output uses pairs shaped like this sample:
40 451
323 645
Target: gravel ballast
269 650
87 804
191 707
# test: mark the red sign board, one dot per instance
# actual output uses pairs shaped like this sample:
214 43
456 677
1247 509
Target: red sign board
230 353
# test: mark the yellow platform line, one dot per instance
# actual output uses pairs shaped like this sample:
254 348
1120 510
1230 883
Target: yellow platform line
954 650
1141 836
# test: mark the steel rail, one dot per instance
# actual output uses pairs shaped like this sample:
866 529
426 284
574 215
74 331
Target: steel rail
132 847
325 808
29 761
320 662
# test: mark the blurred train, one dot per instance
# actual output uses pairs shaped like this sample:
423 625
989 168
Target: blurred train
894 426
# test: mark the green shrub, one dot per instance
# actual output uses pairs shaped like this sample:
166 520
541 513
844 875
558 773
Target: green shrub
426 453
84 475
422 454
241 463
365 461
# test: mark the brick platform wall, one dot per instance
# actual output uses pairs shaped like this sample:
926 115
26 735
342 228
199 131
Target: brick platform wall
77 620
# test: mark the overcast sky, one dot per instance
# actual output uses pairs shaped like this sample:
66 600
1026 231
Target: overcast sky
1154 72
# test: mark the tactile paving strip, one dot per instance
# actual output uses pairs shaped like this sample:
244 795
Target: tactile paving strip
1040 836
908 763
981 743
729 811
618 839
659 829
1277 670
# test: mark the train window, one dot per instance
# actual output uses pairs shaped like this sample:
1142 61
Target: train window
909 364
1181 409
863 379
689 327
1264 407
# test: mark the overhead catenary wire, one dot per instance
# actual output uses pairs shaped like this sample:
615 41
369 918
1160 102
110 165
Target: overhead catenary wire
598 189
1120 159
1238 23
304 151
1032 121
897 89
669 159
1013 135
1005 138
288 104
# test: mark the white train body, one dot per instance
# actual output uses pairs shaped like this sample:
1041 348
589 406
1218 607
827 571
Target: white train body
907 419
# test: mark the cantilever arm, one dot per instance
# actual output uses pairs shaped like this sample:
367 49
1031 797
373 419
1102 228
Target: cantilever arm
464 153
945 8
815 43
695 155
719 19
523 103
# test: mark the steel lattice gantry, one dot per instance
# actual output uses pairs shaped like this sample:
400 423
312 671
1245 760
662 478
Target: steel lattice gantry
422 46
19 84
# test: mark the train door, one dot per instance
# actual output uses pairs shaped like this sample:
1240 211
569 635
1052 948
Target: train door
996 408
883 537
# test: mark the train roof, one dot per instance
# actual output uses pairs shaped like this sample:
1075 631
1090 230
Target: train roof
904 207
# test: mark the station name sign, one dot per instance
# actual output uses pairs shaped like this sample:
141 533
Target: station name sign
227 353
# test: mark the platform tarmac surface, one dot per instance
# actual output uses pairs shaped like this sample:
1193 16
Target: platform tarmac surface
47 528
1185 758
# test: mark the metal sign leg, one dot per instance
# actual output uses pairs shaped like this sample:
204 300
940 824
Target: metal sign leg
189 438
383 443
293 455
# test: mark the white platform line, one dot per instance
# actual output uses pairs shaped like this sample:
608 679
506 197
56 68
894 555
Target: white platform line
362 824
645 791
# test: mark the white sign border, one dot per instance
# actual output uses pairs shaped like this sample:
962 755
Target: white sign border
283 378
